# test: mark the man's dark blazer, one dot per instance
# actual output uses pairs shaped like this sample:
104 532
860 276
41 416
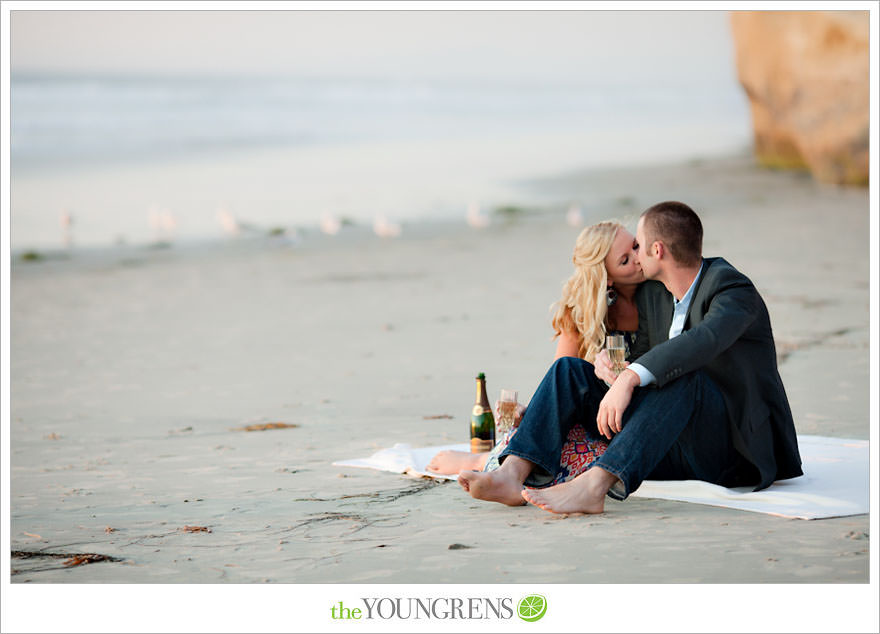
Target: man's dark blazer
727 334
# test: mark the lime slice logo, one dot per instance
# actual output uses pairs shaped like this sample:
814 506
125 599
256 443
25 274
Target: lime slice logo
532 608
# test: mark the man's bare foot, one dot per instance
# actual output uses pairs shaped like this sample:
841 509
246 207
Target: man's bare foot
584 494
493 486
452 462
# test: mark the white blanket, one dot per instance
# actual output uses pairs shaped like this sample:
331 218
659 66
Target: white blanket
834 484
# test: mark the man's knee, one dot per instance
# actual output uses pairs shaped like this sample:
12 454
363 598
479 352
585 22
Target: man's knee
689 381
697 385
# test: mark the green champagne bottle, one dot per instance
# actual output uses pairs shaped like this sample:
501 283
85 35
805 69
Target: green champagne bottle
482 420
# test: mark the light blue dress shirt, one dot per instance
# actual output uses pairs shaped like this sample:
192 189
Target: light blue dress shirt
678 316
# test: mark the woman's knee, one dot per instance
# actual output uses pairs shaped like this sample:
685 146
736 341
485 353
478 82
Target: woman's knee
566 365
572 371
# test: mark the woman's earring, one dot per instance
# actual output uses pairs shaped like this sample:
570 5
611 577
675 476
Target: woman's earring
612 296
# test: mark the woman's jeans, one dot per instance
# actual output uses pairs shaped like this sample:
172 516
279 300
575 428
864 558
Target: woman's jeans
677 432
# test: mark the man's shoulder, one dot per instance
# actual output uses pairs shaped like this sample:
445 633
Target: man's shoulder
720 272
651 288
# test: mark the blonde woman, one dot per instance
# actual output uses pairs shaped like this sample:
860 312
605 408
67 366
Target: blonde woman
597 300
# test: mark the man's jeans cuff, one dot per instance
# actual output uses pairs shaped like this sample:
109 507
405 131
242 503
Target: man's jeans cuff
617 491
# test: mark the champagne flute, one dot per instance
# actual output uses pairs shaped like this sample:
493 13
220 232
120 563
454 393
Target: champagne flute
506 413
616 348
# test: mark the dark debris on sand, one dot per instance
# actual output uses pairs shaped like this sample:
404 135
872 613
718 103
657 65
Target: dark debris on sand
389 495
70 559
266 427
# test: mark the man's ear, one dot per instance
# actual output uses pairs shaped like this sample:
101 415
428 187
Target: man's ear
659 250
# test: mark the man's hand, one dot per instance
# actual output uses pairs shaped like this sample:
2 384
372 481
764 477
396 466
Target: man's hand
604 369
611 409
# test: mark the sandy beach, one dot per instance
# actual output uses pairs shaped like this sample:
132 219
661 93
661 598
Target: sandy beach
135 371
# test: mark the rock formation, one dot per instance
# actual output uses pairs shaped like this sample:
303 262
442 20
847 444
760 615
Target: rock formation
806 75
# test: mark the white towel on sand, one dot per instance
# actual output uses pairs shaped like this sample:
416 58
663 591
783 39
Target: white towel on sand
834 484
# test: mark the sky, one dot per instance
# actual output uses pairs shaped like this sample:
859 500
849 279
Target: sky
550 45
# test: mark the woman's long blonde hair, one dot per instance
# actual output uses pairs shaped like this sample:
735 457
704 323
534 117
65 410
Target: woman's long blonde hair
584 306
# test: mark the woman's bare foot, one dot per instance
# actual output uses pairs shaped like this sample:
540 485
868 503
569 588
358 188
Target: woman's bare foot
452 462
584 494
493 486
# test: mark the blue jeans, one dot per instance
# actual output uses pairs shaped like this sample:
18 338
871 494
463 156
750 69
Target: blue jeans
677 432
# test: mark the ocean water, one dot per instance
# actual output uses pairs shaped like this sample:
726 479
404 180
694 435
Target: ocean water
114 153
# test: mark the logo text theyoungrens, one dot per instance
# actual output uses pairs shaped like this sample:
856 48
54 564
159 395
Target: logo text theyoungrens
426 608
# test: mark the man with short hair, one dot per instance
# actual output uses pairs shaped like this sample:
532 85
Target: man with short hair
703 400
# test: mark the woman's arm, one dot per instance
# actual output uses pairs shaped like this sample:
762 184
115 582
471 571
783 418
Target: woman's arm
568 346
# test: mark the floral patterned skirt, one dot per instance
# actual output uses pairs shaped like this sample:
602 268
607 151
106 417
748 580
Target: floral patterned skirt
578 453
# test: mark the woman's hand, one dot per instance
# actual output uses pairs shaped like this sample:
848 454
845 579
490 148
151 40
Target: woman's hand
517 416
604 368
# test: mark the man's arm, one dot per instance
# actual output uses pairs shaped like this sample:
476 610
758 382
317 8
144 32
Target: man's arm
609 420
731 311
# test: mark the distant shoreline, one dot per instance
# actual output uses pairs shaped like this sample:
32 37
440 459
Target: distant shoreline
281 153
598 191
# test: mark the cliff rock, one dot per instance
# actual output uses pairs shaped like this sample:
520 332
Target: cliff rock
806 75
